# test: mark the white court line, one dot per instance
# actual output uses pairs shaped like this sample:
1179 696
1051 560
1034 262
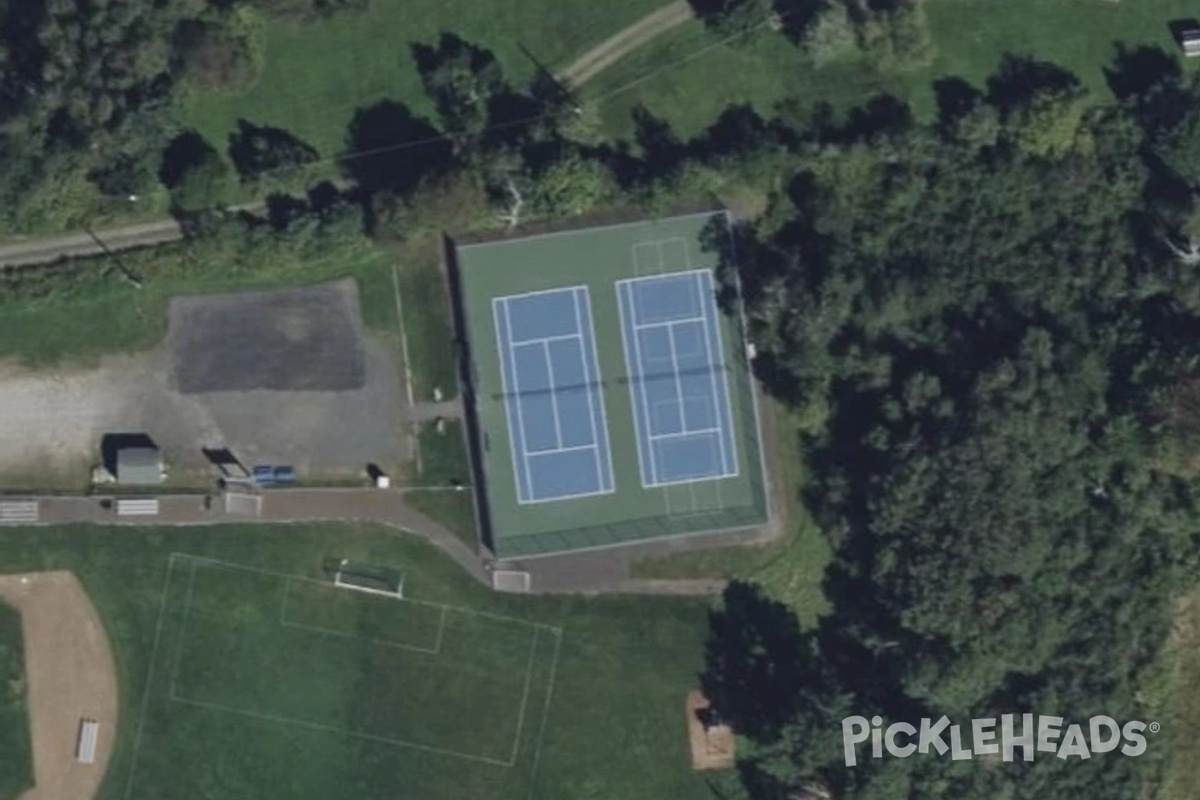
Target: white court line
703 279
668 323
713 330
555 290
681 434
498 303
717 365
588 392
517 395
546 340
557 497
645 455
553 451
553 397
595 366
678 382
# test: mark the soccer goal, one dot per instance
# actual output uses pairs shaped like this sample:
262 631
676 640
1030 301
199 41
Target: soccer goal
370 578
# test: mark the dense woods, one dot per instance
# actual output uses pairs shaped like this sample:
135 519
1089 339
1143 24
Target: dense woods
991 322
999 339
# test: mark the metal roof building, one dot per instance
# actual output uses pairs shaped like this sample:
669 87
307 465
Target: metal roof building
139 466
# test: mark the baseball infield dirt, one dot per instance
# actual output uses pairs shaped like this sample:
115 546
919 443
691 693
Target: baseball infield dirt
70 675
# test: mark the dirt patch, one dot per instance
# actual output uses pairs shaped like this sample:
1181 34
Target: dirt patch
712 742
71 675
287 340
616 47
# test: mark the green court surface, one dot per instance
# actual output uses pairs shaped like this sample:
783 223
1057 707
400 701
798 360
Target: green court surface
533 501
313 689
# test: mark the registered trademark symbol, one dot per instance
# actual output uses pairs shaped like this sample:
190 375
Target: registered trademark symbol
1155 727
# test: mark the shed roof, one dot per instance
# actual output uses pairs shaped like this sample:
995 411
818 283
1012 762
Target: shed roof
139 465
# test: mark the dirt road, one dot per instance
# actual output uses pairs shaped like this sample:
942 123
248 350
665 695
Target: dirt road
616 47
42 251
71 674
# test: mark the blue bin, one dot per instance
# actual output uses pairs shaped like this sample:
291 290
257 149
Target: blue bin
264 476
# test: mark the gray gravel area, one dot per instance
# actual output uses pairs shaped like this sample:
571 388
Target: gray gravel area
289 340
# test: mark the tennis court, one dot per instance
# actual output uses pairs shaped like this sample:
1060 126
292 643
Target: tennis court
610 394
551 395
677 380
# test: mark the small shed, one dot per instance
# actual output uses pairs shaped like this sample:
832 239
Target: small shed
1190 41
139 466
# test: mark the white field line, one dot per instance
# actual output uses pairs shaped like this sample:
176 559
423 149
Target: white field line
408 378
183 628
524 697
537 752
137 737
276 574
317 726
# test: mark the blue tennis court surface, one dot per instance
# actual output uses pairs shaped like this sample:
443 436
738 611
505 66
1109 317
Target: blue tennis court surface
677 378
551 385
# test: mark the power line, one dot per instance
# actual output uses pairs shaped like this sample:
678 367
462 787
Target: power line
350 155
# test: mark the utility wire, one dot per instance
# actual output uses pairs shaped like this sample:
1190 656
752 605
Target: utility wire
350 155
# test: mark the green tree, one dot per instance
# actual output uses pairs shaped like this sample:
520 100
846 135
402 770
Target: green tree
462 80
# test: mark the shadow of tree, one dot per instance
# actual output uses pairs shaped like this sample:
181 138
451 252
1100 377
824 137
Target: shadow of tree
1019 79
183 153
756 659
392 149
258 149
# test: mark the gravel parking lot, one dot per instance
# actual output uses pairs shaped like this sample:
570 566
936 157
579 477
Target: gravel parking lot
326 408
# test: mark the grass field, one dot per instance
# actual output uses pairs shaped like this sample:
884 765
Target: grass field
427 323
237 694
16 763
444 464
635 505
689 83
85 309
316 75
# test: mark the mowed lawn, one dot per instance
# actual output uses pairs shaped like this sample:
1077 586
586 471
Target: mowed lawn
689 82
315 75
244 674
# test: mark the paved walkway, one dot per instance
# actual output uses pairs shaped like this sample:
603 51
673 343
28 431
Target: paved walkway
428 412
597 572
381 506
